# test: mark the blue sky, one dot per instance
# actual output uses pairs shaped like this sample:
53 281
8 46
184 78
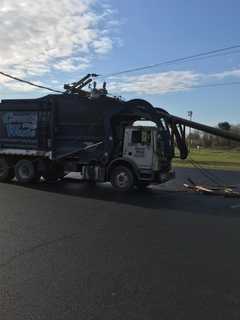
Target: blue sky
54 42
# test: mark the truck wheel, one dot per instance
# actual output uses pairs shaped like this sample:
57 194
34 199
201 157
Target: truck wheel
122 179
6 172
25 171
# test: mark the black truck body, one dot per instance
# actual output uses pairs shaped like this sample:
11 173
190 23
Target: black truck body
58 126
54 126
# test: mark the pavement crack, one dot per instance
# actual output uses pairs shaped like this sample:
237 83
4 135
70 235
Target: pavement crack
37 247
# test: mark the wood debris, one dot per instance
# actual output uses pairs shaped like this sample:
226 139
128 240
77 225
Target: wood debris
227 192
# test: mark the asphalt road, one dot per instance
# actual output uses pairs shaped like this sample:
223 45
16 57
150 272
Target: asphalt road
71 251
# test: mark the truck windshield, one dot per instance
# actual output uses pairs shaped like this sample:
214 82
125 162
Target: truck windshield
142 136
161 136
164 145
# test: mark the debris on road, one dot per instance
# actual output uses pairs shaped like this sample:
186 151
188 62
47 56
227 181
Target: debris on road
224 191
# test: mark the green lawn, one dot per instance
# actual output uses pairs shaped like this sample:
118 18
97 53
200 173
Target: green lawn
212 158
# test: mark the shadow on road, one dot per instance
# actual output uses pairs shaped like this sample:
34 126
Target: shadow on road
152 198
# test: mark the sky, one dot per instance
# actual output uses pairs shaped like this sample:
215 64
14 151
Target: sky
52 42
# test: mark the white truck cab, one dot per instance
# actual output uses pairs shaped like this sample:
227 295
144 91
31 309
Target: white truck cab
140 145
143 150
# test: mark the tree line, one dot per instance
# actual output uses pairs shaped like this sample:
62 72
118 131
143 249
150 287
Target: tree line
203 139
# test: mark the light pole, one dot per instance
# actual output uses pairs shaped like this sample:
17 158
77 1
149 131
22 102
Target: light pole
190 115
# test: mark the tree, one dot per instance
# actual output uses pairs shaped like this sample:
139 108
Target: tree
207 140
221 142
224 126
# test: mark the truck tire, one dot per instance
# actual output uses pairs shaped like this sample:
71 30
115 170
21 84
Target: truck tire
25 171
122 178
6 172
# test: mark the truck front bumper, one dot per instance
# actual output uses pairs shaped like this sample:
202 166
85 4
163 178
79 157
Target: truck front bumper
166 176
157 177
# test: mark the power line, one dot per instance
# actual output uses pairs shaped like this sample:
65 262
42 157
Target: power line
29 83
57 91
207 54
200 56
208 57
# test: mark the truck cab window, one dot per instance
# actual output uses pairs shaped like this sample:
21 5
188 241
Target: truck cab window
137 136
146 136
141 136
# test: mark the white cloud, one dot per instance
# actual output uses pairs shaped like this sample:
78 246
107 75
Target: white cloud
227 73
38 37
165 82
103 45
20 87
156 83
72 64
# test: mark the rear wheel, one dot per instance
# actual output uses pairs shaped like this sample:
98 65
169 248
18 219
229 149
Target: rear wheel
25 171
6 171
122 178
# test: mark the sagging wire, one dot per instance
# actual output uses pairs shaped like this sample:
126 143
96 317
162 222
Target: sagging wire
29 82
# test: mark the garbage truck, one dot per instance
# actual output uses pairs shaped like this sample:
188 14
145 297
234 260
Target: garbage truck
102 138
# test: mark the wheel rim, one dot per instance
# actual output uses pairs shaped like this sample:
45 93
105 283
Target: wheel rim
24 172
122 180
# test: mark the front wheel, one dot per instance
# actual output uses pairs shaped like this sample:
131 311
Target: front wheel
122 178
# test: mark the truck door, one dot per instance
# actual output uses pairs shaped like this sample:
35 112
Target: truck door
138 146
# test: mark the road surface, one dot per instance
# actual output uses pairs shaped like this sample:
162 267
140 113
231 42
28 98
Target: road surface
71 251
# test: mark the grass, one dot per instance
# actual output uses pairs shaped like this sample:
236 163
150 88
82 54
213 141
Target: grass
212 159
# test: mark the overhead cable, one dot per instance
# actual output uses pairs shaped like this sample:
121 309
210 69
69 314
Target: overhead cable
28 82
207 54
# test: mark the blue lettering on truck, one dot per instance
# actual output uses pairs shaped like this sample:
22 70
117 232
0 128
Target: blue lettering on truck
20 124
